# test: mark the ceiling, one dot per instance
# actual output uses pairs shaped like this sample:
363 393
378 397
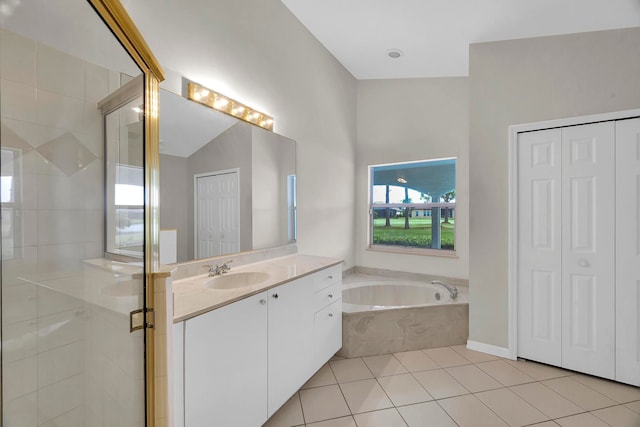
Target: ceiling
434 36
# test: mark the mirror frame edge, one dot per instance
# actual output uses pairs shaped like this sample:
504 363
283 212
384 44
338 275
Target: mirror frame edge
123 28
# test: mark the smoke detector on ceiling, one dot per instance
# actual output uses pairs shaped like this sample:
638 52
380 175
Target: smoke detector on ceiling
394 53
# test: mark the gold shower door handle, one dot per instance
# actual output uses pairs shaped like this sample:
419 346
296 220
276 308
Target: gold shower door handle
138 320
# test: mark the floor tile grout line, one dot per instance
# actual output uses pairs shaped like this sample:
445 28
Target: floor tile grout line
569 373
342 393
445 411
603 379
581 413
304 419
576 403
474 394
533 380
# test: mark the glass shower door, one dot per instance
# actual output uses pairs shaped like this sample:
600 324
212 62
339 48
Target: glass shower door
68 356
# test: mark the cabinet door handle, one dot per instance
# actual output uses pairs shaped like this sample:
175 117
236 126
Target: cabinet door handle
263 301
583 263
330 314
275 296
330 277
330 295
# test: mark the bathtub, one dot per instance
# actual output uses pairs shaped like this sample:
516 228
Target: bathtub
385 315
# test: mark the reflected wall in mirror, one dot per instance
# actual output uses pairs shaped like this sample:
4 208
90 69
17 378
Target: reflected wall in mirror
225 186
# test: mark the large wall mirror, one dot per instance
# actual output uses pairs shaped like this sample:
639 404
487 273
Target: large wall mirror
226 186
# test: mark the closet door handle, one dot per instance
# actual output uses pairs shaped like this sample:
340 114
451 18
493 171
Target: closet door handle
583 263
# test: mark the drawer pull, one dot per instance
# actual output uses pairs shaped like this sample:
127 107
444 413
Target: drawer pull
275 296
263 301
330 277
330 295
330 314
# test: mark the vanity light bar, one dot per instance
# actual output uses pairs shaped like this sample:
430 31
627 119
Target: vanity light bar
228 106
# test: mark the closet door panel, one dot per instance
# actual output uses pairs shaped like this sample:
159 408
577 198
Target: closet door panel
628 251
588 244
539 248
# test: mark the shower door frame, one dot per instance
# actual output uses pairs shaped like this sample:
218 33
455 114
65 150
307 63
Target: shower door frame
121 25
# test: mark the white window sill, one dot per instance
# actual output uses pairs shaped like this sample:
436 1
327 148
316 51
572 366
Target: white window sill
444 253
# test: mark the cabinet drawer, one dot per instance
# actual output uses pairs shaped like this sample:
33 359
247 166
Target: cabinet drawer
326 277
327 295
328 332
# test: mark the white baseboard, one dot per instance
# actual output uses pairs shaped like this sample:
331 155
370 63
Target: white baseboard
488 348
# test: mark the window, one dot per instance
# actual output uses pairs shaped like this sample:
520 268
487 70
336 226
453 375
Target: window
10 162
124 164
412 206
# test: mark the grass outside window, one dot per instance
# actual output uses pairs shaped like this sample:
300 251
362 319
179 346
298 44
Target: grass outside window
418 234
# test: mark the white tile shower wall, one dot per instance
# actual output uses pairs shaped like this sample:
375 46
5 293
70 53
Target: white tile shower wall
66 361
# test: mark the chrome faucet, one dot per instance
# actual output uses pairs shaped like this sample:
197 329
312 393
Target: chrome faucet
219 270
452 289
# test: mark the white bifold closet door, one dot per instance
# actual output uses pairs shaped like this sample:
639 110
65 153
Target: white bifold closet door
628 251
566 283
540 246
588 249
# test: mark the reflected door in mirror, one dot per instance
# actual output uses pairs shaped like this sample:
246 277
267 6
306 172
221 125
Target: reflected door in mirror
217 209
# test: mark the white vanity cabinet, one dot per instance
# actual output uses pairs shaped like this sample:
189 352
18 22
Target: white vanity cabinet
225 365
290 340
238 364
327 329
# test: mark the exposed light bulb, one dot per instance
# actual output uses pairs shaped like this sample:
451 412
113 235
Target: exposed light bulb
221 102
229 106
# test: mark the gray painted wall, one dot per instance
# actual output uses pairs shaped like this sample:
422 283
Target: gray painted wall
413 119
229 150
173 193
271 165
522 81
256 51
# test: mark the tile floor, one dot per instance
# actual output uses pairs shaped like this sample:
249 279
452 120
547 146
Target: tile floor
454 386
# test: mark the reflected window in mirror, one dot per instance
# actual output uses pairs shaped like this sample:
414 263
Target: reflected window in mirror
292 206
10 161
124 171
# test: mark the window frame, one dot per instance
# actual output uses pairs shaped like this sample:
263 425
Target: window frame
411 250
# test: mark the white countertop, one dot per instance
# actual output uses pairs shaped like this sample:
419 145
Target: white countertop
192 298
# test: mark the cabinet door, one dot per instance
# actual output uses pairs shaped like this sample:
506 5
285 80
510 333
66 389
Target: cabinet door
290 340
178 374
328 332
539 246
588 248
628 251
225 377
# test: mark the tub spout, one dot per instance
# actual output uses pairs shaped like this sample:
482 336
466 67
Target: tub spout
452 289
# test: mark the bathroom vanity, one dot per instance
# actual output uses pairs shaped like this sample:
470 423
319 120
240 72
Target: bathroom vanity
246 341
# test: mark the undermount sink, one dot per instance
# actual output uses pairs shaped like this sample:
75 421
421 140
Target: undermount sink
236 280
